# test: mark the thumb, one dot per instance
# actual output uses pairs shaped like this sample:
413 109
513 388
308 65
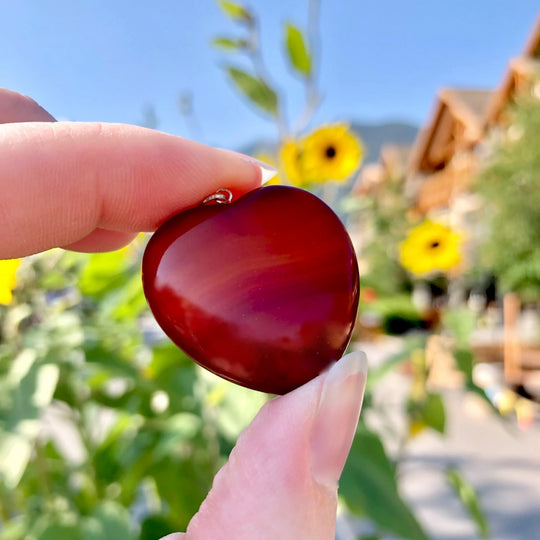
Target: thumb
282 476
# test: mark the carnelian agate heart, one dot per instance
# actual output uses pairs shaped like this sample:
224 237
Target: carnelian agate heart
262 291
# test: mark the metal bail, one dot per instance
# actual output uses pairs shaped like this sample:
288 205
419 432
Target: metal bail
221 196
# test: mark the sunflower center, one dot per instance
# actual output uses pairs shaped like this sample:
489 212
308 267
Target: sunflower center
435 244
330 152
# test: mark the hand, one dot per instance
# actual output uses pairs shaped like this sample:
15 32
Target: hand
93 187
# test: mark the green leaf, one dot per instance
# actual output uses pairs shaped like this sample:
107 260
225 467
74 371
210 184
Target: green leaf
429 411
256 90
21 366
114 363
368 487
379 372
124 456
196 477
104 272
156 526
180 429
475 389
109 521
465 362
15 453
47 379
129 299
56 336
461 323
179 382
14 530
235 11
297 50
433 413
167 356
56 527
234 408
57 531
229 44
468 497
33 392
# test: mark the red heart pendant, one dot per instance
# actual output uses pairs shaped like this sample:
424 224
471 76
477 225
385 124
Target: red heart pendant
262 291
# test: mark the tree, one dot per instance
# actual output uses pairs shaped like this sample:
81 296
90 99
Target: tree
510 187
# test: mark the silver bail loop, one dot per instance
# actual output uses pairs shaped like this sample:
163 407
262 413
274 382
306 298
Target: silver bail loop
221 196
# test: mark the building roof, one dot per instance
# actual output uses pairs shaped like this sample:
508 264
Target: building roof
532 48
527 64
464 105
469 104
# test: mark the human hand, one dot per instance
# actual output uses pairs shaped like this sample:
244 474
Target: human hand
93 187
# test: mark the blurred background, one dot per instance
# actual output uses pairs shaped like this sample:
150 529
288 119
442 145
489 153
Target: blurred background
419 123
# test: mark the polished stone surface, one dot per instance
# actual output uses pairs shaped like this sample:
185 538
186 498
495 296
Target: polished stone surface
262 291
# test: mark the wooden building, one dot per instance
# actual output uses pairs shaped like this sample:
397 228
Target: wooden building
393 163
439 170
519 74
445 158
449 148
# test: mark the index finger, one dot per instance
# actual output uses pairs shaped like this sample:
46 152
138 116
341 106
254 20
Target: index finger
15 107
60 182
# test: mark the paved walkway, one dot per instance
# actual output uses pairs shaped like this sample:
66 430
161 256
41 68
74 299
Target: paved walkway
500 460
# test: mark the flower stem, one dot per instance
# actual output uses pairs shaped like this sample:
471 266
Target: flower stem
313 96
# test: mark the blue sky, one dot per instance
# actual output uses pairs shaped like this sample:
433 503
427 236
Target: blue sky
381 59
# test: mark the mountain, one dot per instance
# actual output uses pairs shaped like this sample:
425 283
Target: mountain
375 136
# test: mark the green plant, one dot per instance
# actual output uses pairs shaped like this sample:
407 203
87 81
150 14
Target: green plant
99 418
510 187
383 215
370 485
328 155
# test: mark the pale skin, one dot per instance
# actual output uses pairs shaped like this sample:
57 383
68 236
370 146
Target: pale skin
92 187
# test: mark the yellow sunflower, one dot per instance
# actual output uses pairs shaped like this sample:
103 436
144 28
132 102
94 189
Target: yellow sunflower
291 160
431 247
330 153
8 280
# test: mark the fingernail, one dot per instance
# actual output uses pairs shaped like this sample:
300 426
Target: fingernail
267 171
337 417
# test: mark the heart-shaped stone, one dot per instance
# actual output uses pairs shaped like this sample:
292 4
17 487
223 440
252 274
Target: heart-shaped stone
262 291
